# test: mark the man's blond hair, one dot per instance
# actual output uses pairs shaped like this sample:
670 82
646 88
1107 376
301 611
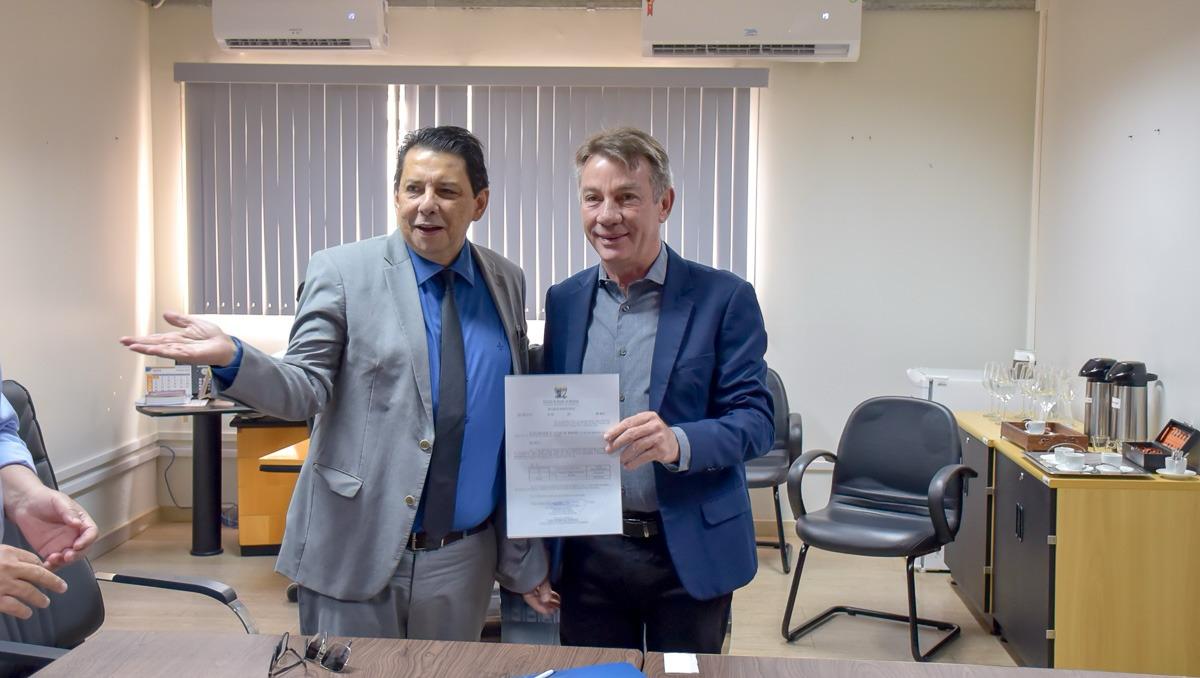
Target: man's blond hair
630 147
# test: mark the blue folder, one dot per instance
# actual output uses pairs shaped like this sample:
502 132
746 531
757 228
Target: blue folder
615 670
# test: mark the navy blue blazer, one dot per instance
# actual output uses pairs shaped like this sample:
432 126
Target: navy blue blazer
708 377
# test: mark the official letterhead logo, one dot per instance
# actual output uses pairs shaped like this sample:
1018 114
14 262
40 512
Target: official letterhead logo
560 392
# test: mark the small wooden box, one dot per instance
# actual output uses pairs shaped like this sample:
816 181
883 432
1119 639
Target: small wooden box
1056 434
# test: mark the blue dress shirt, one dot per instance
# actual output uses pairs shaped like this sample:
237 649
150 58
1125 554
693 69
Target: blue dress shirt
489 359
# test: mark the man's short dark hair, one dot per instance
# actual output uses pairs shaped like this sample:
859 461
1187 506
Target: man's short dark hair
447 139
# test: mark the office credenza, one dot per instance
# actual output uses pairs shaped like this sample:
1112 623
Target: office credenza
1080 573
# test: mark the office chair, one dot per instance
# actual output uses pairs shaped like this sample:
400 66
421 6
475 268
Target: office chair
32 643
771 469
897 492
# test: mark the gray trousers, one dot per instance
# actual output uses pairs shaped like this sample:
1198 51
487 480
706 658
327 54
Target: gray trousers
433 595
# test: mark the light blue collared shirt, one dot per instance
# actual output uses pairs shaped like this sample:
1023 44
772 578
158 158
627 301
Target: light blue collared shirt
12 448
620 340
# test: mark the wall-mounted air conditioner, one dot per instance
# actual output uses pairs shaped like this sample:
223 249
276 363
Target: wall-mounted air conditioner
300 24
786 30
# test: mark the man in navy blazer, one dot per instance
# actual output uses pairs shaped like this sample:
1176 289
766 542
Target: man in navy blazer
687 342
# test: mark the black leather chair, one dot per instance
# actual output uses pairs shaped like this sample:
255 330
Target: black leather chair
897 492
32 643
771 469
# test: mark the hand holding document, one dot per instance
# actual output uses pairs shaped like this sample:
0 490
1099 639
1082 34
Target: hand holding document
560 482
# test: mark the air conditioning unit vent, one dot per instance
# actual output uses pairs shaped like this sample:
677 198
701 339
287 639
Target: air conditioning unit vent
297 43
792 30
756 51
300 24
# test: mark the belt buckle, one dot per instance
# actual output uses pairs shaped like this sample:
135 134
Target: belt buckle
643 525
429 545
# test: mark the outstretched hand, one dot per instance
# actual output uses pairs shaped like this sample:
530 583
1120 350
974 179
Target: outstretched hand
199 342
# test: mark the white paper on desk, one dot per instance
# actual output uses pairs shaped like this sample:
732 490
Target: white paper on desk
680 662
559 480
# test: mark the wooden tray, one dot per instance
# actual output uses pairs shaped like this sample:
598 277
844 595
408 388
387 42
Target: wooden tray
1056 434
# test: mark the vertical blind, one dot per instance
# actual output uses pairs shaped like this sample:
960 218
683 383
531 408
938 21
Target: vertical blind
276 172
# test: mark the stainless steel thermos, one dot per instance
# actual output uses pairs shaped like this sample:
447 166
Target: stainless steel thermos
1128 400
1097 400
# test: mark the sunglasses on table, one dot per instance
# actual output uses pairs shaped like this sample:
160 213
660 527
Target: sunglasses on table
331 655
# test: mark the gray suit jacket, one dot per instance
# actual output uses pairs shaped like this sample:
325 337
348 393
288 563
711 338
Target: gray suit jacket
358 361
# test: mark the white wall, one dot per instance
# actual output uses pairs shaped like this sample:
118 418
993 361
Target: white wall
870 252
76 236
1120 211
894 207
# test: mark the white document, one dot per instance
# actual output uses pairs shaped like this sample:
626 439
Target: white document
680 662
560 482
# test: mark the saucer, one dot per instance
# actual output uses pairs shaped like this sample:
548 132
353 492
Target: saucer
1189 473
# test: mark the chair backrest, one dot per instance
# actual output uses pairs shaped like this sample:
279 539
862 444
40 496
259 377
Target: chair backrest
76 614
891 448
782 410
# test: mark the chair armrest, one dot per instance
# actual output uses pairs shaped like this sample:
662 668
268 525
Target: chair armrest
28 654
796 477
795 436
937 498
216 590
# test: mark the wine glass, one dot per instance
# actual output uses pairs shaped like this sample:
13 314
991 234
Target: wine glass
990 387
1067 392
1023 374
1044 386
1006 387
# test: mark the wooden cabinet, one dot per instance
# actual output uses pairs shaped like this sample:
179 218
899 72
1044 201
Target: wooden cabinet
263 498
1079 566
969 556
1023 560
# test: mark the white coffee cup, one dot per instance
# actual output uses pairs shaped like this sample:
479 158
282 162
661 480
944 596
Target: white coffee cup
1060 454
1112 459
1035 426
1072 460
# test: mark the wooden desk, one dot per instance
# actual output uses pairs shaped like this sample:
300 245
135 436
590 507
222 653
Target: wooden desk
214 655
723 666
1074 571
263 497
287 460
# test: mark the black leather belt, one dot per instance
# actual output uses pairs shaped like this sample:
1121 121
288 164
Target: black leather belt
641 525
418 541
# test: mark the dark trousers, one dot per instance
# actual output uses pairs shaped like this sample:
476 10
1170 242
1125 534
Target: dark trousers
615 589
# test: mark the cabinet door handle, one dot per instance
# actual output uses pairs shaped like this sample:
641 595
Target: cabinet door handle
1020 526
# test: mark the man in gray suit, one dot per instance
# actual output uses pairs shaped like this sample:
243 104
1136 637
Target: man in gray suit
399 349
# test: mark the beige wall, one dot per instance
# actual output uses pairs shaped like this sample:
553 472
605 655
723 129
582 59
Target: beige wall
1119 220
76 236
